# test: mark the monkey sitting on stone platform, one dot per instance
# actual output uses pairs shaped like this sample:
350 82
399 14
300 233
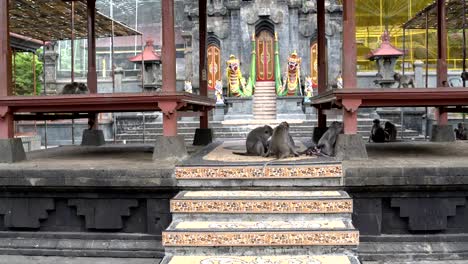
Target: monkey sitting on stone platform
403 80
460 132
390 132
75 88
326 144
377 132
256 143
281 145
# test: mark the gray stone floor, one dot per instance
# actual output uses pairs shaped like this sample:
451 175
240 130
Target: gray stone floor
13 259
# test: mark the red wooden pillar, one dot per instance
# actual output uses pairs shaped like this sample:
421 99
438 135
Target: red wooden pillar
168 58
202 54
6 123
349 61
321 59
442 118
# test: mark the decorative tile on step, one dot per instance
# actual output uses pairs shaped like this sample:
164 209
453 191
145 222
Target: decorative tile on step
260 239
270 172
324 259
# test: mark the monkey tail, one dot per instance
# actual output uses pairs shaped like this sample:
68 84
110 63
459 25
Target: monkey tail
268 163
242 154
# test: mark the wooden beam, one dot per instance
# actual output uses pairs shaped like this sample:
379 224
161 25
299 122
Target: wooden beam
442 117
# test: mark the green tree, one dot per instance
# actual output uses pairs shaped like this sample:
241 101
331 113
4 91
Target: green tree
23 76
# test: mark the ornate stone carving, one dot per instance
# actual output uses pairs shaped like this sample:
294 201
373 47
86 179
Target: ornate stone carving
333 27
216 8
25 212
427 214
277 16
103 213
232 4
308 25
309 6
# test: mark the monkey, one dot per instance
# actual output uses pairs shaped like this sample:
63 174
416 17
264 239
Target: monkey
377 132
403 80
75 88
460 132
390 132
281 144
256 143
326 144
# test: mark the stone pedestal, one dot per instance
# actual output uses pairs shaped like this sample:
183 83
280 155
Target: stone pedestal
203 136
442 133
218 113
170 149
290 107
238 108
350 147
93 137
11 150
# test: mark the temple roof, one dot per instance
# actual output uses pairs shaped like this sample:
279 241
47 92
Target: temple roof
51 20
149 54
454 16
386 49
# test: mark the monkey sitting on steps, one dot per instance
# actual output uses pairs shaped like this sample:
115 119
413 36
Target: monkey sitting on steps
256 143
75 88
377 132
281 145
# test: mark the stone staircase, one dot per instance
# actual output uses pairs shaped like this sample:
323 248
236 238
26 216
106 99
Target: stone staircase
134 133
264 101
261 226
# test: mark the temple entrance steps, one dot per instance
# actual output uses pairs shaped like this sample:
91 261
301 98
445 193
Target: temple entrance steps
264 101
255 226
234 129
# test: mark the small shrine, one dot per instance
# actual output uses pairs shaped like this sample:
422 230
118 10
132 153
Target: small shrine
152 75
385 57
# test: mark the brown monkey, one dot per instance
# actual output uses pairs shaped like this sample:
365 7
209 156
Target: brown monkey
75 88
377 132
281 145
256 143
403 80
326 144
390 132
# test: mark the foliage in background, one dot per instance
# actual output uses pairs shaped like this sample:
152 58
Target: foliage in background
23 80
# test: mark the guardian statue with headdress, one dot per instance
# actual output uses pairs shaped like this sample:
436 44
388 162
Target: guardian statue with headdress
292 84
236 83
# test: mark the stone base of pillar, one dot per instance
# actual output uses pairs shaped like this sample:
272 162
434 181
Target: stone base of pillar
442 133
218 113
11 150
93 137
318 133
203 137
350 147
171 149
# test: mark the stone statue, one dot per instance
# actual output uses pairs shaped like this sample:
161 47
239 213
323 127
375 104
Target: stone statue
236 83
292 85
188 87
219 92
308 90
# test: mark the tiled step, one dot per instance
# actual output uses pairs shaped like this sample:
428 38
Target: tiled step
261 84
280 259
269 205
260 234
271 176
